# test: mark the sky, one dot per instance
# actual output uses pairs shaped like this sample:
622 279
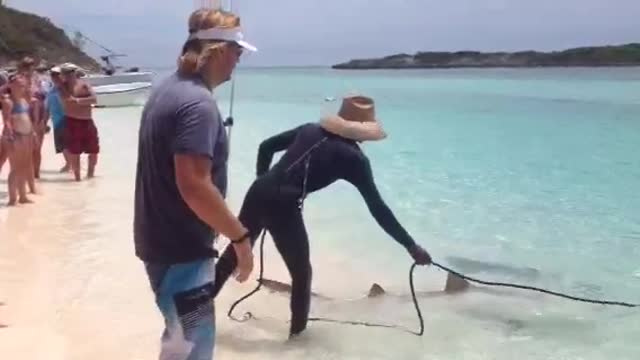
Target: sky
324 32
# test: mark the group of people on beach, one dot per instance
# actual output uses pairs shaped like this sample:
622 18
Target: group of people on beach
29 97
181 182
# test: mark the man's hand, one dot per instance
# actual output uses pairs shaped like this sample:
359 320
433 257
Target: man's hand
244 255
420 255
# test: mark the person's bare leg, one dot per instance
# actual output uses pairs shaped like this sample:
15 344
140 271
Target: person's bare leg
35 120
37 156
4 155
67 165
11 182
93 161
31 182
24 168
74 160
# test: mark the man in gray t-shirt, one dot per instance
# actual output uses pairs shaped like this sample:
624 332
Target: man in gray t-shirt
181 116
181 181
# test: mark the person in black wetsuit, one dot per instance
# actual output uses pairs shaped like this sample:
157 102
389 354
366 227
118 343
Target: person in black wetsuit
314 159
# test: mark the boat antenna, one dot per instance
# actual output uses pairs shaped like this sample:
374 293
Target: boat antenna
76 30
228 123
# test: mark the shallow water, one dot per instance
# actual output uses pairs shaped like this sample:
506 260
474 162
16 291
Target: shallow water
517 170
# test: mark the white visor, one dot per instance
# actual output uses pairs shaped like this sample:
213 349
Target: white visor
230 34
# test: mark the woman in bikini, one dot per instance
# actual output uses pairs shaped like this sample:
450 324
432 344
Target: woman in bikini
17 138
39 120
34 95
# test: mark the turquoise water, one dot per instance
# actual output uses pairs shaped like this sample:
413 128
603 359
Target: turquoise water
530 176
526 168
495 164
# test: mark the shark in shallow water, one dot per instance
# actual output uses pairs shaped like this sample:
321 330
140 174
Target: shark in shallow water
454 284
470 266
281 287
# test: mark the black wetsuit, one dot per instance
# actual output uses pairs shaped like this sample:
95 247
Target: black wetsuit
273 200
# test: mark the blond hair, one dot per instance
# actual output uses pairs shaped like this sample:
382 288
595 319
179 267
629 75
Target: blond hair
195 52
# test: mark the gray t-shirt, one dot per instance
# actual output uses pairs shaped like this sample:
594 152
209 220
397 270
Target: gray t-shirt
180 116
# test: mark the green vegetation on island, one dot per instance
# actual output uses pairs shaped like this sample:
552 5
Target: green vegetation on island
23 34
622 55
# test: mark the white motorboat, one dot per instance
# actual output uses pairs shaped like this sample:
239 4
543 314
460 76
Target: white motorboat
119 78
112 74
126 94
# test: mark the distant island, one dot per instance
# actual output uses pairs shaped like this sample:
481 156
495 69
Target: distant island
622 55
23 34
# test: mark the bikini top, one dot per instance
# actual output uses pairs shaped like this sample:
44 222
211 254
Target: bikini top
20 109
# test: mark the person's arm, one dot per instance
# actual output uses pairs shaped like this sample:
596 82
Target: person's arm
91 99
271 146
197 127
196 132
45 110
361 176
193 178
6 113
49 102
67 99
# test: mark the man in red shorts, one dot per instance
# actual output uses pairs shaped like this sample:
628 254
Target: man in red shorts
80 132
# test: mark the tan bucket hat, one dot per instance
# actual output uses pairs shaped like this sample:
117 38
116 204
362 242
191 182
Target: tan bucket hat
356 120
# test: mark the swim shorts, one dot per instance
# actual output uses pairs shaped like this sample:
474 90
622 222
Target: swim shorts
184 295
80 136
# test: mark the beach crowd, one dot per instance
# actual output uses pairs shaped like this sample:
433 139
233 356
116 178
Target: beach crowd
30 96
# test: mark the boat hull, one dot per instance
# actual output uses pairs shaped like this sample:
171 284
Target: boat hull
118 78
118 95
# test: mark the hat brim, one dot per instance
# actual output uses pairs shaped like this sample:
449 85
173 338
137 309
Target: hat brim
247 46
78 71
353 130
224 34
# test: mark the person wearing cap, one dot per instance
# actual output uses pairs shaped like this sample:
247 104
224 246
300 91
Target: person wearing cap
56 111
316 155
181 182
80 131
32 71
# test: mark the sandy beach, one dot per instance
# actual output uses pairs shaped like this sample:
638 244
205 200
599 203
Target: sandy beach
71 287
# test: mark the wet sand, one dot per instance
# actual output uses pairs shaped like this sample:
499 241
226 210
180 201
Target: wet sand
70 285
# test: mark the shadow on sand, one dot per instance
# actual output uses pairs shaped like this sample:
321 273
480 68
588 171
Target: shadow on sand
2 326
50 172
57 180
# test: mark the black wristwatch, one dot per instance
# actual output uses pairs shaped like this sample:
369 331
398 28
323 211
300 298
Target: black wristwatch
244 237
